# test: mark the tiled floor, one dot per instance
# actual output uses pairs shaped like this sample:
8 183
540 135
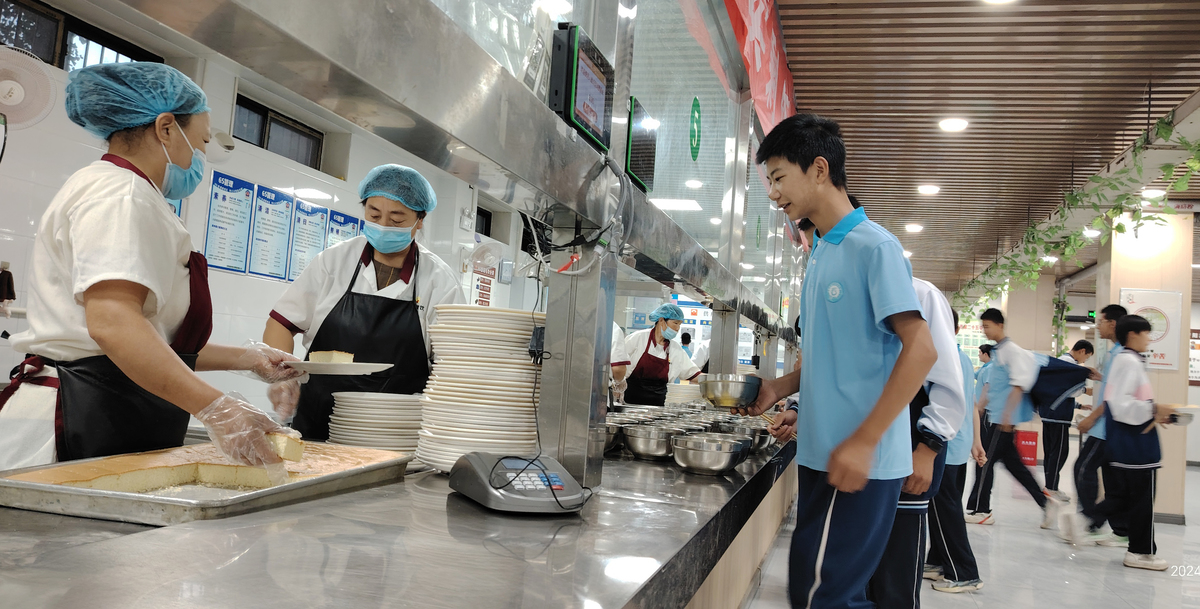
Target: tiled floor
1024 566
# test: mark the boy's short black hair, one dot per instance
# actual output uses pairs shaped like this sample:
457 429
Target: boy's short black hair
955 318
1114 312
1086 345
992 315
801 138
1131 323
986 349
805 224
685 338
854 201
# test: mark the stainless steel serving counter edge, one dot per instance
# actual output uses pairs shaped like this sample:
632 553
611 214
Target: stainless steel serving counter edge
648 539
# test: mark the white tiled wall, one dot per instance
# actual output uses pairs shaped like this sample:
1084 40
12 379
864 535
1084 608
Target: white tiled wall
38 160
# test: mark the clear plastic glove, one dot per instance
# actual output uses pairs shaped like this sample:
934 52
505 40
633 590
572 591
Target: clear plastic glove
239 431
619 388
267 363
284 396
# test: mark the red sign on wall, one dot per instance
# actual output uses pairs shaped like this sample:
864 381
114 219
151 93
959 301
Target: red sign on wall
760 36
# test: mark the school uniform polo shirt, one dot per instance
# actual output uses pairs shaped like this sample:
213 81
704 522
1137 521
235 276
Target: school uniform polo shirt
958 451
1100 429
1013 369
855 280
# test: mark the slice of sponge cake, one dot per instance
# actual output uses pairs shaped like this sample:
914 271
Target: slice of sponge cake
331 357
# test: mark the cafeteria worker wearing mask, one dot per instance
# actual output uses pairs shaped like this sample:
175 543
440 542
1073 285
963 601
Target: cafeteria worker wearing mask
372 296
658 358
119 306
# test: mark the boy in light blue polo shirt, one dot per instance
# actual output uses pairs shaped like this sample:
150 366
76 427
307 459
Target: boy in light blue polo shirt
863 328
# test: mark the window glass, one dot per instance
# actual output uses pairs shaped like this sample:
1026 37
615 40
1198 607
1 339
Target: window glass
248 124
27 29
302 147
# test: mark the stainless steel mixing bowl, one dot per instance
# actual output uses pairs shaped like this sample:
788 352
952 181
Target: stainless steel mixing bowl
707 456
650 441
614 435
730 390
745 441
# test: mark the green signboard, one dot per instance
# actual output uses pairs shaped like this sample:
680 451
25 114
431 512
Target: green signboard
694 131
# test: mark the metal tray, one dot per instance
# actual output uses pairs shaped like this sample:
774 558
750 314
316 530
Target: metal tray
189 502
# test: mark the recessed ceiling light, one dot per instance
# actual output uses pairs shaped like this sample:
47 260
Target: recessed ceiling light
1050 259
676 204
907 254
747 265
914 228
953 124
997 1
758 279
1091 233
1153 193
693 183
715 220
928 189
1081 328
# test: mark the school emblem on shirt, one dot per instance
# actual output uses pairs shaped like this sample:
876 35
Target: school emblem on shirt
834 292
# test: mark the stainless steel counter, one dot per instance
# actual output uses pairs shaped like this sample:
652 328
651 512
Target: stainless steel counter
648 539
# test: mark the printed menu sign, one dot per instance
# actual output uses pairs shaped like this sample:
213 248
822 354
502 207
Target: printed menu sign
308 236
230 209
342 227
269 236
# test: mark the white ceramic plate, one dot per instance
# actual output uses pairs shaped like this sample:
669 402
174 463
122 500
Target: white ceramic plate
342 413
507 355
499 324
514 426
475 372
488 327
377 397
331 368
483 433
474 359
486 409
474 443
378 406
469 401
487 310
482 417
475 396
407 426
486 378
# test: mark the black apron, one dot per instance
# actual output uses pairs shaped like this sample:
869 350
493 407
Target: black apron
648 381
376 329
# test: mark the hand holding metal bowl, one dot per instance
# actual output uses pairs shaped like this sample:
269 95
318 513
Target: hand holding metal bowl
732 391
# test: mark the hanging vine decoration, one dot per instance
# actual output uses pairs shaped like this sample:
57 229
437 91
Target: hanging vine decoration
1061 308
1110 198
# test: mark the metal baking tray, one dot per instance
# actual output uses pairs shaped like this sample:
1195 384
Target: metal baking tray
175 505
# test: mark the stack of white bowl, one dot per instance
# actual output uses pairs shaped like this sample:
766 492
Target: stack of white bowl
387 421
683 392
484 390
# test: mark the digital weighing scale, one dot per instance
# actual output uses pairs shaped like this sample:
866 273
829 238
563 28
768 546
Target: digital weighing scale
512 484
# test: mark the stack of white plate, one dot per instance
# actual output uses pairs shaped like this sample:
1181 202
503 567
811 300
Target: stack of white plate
484 390
386 421
683 392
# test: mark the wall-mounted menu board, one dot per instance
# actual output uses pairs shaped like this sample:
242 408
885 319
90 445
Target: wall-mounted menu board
308 236
270 233
230 210
342 227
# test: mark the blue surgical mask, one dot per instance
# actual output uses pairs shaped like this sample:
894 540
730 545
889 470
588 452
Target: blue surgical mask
179 182
669 334
388 239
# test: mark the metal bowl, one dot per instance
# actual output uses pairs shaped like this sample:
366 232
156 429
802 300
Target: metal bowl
746 442
613 435
762 438
707 457
650 441
730 390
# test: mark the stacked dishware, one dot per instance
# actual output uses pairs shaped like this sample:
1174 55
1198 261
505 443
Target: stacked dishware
484 390
683 393
387 421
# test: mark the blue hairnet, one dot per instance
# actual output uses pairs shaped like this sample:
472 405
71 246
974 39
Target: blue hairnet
399 183
109 97
666 311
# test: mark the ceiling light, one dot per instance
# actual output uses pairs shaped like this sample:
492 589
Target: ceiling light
650 124
914 228
693 183
747 265
1085 327
907 254
928 189
1153 193
1050 259
715 220
676 204
1091 233
997 1
953 124
758 279
1196 266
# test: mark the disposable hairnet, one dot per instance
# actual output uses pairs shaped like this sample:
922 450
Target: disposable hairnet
109 97
666 311
399 183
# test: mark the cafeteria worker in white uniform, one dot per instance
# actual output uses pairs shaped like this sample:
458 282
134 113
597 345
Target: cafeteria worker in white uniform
658 358
372 296
119 307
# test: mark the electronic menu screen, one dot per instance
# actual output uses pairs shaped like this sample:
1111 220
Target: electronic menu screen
642 146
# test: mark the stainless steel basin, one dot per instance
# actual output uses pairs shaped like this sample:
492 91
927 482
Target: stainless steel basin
707 456
746 442
730 390
649 441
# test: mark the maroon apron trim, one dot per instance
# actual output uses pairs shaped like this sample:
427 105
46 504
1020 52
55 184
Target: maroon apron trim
656 366
285 322
22 376
197 324
406 271
125 164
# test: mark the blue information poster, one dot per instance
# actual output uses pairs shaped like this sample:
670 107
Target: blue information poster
308 236
269 237
341 228
230 209
176 206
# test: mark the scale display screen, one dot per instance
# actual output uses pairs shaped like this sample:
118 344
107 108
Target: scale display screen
521 464
582 84
642 146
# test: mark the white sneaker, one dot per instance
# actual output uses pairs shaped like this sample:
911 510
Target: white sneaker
933 572
955 587
1052 509
1070 529
1145 561
1059 495
979 518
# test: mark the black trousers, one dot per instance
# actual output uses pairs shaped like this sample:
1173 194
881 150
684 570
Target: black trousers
1131 492
897 584
985 437
1002 447
1088 466
949 547
1055 447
